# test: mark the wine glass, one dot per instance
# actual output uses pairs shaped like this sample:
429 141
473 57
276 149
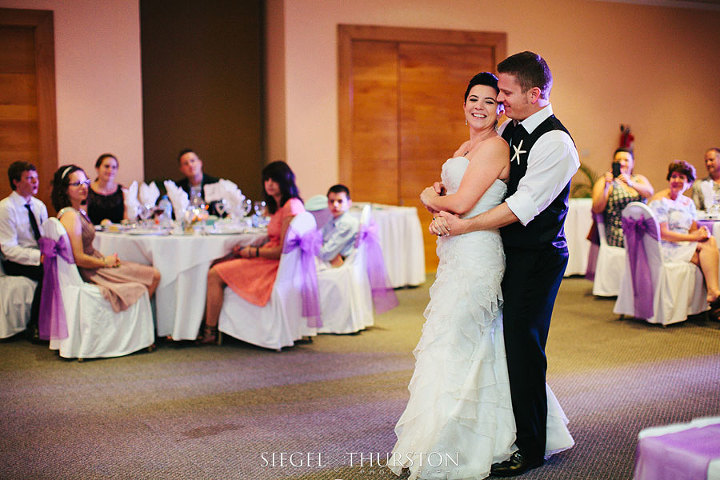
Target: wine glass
246 207
145 212
259 207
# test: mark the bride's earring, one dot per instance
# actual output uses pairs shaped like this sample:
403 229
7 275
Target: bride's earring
466 121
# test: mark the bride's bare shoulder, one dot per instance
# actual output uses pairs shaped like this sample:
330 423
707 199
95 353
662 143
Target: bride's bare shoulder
462 149
494 146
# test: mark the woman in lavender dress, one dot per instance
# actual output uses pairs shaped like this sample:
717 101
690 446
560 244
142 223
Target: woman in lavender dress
682 240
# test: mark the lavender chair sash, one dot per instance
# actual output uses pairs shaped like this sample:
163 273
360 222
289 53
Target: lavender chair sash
594 237
309 245
52 324
383 295
689 451
642 281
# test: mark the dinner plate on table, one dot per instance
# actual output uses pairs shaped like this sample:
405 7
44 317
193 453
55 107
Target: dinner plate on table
146 231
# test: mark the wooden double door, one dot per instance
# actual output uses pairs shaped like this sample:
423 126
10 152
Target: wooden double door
28 129
401 108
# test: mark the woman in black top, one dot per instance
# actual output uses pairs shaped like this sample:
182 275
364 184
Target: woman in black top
105 200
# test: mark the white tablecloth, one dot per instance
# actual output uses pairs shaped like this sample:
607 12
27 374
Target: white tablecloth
401 240
577 226
183 261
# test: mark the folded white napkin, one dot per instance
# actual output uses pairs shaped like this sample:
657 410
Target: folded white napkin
225 190
130 196
148 194
178 198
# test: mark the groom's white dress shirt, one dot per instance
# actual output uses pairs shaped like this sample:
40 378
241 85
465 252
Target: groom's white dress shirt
552 162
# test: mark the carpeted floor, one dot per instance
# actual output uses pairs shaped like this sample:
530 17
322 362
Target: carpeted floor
239 412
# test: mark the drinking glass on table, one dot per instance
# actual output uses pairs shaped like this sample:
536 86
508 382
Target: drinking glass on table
246 207
259 207
145 211
258 219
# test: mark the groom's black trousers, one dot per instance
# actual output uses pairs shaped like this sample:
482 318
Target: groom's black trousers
530 285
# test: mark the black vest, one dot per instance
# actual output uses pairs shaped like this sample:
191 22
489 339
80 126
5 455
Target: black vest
547 228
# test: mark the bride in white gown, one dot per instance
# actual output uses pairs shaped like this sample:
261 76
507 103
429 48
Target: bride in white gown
459 419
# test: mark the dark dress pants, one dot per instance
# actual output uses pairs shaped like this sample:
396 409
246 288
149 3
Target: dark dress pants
530 285
33 272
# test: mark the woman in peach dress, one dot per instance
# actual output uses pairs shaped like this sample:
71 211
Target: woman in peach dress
251 274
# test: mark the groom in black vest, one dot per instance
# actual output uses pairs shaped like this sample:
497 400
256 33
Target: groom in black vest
543 159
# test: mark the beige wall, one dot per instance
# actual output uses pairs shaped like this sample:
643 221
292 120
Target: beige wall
654 68
98 87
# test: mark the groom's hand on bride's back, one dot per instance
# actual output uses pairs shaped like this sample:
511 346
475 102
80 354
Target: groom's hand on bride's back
439 188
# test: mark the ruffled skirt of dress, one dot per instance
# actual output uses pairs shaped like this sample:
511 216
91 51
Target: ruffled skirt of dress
459 419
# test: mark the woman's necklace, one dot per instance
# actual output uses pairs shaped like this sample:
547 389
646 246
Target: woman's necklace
473 142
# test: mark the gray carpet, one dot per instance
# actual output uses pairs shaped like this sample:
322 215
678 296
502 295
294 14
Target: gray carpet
185 412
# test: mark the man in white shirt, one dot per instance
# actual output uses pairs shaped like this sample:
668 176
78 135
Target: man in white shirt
712 163
21 217
531 221
340 232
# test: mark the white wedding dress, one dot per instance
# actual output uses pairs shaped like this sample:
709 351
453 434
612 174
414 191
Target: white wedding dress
459 418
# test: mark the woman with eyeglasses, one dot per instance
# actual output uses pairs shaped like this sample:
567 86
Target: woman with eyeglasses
121 283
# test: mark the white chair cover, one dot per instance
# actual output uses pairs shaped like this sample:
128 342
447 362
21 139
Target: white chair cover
16 295
678 287
609 266
94 329
280 322
345 294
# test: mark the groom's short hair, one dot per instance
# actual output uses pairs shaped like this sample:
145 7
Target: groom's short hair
531 71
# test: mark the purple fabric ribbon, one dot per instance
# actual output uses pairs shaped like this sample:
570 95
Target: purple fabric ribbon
383 295
635 231
52 324
594 237
309 245
683 454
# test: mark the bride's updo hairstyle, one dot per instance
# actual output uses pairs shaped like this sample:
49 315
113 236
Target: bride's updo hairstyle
60 183
482 78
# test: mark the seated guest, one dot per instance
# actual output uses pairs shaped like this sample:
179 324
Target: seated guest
251 274
121 283
613 191
106 202
195 180
681 238
339 233
712 163
21 215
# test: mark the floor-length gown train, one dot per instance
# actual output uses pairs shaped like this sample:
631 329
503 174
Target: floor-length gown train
459 418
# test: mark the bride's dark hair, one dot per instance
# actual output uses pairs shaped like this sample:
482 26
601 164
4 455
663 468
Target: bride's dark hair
482 78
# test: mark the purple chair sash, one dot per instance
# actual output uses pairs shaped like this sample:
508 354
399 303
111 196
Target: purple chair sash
309 245
594 237
688 451
383 295
635 231
52 324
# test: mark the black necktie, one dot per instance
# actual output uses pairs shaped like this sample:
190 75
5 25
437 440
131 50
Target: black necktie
33 222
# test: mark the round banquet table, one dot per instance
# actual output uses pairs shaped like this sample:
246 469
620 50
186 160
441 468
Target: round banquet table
577 225
401 239
183 261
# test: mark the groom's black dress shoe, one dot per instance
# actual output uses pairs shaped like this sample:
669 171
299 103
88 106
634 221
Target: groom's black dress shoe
515 465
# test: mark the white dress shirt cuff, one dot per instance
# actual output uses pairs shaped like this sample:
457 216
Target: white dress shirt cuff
522 205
